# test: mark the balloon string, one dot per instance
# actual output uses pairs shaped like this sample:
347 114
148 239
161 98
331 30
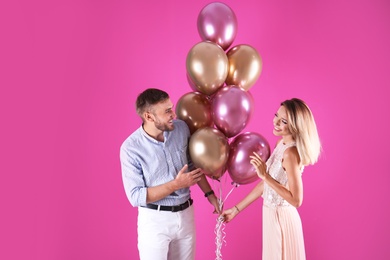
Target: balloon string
235 186
219 237
219 230
220 201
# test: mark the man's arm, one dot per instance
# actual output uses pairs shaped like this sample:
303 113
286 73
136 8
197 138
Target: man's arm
206 188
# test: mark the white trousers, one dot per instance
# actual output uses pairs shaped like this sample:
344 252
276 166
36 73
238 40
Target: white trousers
164 235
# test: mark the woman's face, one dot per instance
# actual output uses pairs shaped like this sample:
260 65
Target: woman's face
281 123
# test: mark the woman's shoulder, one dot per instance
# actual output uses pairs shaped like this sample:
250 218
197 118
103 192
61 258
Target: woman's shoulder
291 151
291 154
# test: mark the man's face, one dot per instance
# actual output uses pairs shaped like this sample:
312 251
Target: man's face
163 115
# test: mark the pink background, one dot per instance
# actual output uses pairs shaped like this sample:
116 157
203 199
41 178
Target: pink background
70 72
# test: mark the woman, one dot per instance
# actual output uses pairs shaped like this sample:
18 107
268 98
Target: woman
282 187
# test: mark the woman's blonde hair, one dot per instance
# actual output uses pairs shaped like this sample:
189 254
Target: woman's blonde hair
303 129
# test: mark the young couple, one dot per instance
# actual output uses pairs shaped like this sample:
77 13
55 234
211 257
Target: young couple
158 173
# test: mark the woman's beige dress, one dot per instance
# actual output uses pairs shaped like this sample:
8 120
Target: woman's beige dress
282 226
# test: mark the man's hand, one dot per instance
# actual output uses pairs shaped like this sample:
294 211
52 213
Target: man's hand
214 201
186 179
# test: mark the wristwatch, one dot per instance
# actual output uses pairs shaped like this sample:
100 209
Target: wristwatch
209 193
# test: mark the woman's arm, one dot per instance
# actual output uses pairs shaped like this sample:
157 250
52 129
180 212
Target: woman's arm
256 192
291 164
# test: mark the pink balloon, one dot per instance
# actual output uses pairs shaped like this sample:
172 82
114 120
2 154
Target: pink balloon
217 23
240 169
232 109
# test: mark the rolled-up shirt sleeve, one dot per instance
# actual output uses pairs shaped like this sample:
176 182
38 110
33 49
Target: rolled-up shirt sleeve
132 176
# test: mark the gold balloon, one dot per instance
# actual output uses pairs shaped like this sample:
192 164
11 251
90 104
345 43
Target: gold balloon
207 67
245 66
195 109
209 150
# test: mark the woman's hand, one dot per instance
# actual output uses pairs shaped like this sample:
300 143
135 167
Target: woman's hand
229 214
259 164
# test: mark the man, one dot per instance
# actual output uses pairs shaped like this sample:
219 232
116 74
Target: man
157 174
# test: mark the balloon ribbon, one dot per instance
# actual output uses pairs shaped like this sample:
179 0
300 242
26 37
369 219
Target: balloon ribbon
219 230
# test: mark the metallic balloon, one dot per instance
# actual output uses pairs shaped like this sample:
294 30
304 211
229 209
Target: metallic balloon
232 108
245 66
240 169
191 83
207 67
195 109
209 150
217 23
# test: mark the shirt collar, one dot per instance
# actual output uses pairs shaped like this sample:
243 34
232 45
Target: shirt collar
144 133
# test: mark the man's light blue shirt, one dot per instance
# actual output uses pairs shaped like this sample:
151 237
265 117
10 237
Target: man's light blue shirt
147 162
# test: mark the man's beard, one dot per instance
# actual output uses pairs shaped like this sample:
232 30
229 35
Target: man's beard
163 127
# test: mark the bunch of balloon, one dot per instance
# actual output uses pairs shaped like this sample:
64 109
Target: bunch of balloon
221 106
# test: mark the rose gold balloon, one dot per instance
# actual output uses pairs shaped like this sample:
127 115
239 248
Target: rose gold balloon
245 66
191 83
195 109
209 150
207 67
